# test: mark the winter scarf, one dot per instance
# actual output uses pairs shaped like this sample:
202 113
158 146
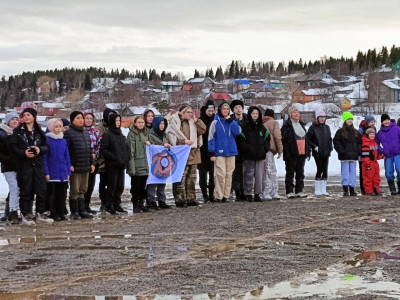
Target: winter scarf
175 132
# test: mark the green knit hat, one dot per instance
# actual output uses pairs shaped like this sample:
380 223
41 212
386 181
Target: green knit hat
347 115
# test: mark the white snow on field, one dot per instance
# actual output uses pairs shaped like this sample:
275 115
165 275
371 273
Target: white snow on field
310 169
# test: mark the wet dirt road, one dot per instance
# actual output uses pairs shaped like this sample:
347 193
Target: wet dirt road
311 248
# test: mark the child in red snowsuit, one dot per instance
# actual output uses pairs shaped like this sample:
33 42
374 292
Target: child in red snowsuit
369 161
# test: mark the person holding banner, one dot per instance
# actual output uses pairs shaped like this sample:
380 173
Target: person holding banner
157 136
223 149
186 129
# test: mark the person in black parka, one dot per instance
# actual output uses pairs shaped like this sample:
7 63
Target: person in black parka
206 165
319 136
253 143
28 143
82 162
116 153
295 152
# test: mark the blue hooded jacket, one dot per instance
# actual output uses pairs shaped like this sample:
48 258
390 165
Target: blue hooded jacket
221 138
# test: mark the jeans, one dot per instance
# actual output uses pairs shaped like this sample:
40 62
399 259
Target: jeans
392 163
11 178
349 175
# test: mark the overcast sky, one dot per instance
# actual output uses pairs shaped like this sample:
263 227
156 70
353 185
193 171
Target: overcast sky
181 35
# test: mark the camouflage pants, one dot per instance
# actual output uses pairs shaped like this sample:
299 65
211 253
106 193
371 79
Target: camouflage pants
270 180
186 189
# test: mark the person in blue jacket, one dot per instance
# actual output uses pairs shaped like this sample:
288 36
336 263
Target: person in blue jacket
57 168
222 148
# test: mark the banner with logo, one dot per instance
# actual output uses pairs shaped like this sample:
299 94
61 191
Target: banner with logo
166 165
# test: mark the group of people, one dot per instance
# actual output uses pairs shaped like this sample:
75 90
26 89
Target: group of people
232 153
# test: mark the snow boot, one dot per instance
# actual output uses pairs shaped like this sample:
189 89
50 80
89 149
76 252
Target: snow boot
352 191
346 191
323 187
392 187
73 207
81 209
318 190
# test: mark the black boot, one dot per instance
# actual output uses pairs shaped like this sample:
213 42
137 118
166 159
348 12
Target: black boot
87 207
143 205
205 196
392 187
249 198
238 195
352 191
398 187
81 209
136 206
4 217
211 195
73 207
346 191
118 208
257 198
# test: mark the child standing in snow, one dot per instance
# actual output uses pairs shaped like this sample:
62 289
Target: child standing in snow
369 161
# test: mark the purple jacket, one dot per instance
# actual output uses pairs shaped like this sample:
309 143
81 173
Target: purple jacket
388 139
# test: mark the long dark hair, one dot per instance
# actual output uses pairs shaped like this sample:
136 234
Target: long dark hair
348 130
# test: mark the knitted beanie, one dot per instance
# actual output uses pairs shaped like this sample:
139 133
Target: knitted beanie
369 130
74 114
369 118
30 110
384 117
9 117
347 115
319 113
269 113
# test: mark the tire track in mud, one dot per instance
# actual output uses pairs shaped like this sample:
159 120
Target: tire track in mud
114 270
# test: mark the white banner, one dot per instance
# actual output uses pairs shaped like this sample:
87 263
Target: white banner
166 165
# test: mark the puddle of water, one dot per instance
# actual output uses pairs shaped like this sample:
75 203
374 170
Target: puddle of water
29 263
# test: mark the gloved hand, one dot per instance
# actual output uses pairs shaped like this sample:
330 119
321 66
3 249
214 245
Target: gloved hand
316 149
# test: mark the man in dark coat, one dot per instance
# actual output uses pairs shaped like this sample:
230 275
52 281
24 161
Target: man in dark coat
295 152
206 165
78 141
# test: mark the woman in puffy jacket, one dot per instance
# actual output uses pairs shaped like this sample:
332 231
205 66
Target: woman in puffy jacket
115 151
388 140
347 143
320 139
253 145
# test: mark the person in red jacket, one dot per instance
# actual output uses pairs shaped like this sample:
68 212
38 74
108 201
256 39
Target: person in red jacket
369 162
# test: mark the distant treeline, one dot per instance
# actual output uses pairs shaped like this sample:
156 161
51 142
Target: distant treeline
23 87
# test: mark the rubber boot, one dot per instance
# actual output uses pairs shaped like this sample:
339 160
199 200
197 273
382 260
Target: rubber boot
323 187
392 187
73 207
352 191
346 191
317 185
4 217
81 209
136 206
87 207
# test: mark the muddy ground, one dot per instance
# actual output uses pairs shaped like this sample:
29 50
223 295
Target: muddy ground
312 248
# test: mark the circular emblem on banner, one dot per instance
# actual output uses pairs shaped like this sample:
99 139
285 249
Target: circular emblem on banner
163 164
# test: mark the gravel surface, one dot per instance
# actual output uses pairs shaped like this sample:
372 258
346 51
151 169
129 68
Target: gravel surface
309 248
